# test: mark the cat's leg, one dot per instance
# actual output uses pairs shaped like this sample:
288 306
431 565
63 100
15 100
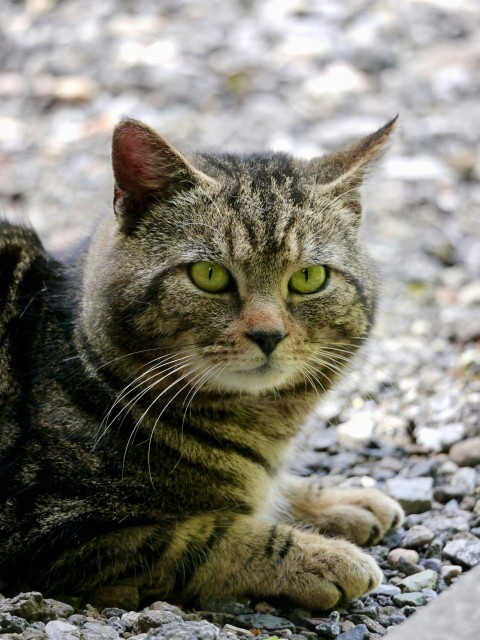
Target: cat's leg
360 515
248 557
222 554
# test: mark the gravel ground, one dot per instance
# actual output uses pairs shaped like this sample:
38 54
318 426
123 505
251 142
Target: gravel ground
304 76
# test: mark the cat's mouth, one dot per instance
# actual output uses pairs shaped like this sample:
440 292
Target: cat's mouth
255 379
265 367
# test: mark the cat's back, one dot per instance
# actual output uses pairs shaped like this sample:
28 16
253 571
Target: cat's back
25 271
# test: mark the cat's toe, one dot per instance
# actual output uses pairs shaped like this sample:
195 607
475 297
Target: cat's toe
362 516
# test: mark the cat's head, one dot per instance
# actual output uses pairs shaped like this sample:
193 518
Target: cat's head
238 273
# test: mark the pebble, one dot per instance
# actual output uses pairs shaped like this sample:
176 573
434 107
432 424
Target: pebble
263 621
432 563
227 605
330 628
464 481
449 524
152 618
372 625
424 580
417 536
408 554
414 494
450 571
439 438
466 453
357 430
359 632
11 624
187 630
414 599
464 551
387 590
98 631
60 630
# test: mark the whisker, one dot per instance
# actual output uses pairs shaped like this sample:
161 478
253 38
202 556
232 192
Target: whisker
142 417
158 418
158 377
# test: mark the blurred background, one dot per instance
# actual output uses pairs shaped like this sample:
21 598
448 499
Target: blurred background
304 76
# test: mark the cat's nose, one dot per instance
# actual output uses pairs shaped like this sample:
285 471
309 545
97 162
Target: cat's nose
266 340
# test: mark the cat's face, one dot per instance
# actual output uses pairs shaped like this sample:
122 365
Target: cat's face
248 281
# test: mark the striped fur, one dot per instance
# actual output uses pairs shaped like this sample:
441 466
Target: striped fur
144 435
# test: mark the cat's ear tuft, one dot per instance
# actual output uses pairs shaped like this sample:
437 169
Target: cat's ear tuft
146 169
349 165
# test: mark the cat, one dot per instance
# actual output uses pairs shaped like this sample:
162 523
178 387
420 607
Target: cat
151 386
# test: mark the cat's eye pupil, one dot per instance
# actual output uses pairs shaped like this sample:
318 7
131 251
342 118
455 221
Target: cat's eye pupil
305 273
210 273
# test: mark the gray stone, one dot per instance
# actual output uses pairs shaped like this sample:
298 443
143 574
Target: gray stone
359 632
414 599
466 453
61 630
152 618
330 628
431 594
388 590
130 618
450 525
225 605
393 538
187 630
417 582
372 625
116 623
414 494
62 609
464 481
31 606
11 624
464 551
113 612
97 631
78 619
417 536
263 621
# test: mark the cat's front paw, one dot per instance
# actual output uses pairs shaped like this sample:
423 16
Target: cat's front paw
362 516
327 572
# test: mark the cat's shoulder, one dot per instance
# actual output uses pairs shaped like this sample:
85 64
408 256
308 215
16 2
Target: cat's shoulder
24 264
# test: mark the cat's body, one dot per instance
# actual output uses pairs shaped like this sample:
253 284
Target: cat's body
150 392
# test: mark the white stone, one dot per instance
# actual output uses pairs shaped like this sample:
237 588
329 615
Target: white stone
357 430
60 630
438 438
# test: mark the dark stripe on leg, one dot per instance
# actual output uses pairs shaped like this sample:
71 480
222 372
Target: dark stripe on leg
285 548
192 560
271 540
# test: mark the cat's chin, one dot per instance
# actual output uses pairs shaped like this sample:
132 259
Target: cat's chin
254 381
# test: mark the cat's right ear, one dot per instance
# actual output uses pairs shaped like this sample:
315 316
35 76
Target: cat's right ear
146 169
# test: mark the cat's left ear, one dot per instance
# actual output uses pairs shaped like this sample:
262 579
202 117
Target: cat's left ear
146 169
344 171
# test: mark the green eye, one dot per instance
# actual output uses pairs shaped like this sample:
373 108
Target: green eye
309 279
210 277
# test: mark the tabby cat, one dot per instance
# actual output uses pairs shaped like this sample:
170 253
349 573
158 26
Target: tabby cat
150 389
